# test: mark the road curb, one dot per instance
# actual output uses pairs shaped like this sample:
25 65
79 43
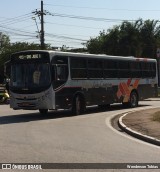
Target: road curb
136 134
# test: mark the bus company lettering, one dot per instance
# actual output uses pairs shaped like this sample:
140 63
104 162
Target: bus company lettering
97 85
101 85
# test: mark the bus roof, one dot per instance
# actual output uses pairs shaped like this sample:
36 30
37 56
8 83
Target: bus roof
100 56
87 55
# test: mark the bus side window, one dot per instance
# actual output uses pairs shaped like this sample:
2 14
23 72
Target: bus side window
95 68
110 68
136 71
123 69
78 68
153 69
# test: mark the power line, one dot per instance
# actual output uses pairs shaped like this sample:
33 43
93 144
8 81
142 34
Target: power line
40 13
72 42
78 26
88 18
28 26
23 33
16 30
22 39
102 8
14 20
73 35
63 36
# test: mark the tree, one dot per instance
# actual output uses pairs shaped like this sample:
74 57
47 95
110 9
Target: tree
110 43
139 38
4 40
129 44
150 38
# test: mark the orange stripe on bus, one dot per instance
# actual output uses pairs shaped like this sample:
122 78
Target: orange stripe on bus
126 89
135 85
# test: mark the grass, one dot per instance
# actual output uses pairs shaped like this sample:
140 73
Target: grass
156 116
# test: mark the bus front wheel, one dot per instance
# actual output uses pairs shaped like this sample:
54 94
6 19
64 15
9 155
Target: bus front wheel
78 105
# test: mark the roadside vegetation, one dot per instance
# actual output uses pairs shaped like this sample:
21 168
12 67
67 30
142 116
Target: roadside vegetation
139 39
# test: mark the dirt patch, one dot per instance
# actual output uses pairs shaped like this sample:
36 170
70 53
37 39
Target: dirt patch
142 122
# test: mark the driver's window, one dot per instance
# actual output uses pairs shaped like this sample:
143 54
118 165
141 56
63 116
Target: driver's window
59 70
62 72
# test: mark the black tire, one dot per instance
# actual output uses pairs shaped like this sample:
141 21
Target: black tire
43 111
133 102
78 106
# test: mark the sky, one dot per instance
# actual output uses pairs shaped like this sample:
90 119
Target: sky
70 22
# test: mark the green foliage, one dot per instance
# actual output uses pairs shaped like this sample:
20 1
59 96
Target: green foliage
140 38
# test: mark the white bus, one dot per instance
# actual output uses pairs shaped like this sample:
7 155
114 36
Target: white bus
47 80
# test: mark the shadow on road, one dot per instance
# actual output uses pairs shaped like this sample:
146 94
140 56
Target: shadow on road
22 118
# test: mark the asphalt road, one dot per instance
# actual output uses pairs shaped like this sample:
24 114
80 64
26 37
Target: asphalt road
28 137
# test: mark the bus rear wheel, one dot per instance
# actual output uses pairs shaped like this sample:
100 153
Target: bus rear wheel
43 111
133 102
78 105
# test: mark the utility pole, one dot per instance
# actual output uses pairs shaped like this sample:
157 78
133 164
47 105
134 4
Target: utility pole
42 26
41 14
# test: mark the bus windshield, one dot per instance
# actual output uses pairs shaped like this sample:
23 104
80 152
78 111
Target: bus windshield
29 75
